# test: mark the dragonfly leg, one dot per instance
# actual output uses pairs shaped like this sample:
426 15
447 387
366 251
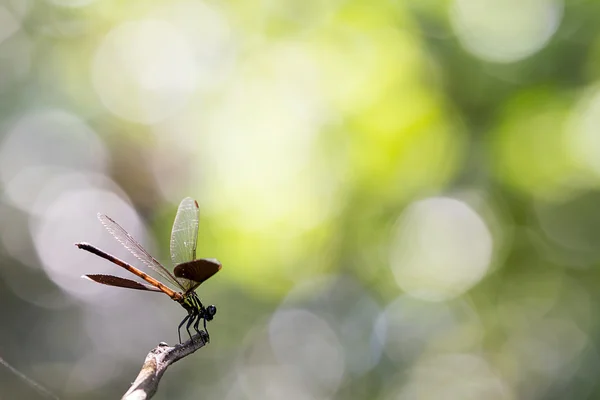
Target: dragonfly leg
201 313
206 330
200 316
181 324
193 317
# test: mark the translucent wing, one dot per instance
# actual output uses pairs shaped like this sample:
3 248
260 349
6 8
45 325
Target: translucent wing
111 280
184 235
136 249
193 273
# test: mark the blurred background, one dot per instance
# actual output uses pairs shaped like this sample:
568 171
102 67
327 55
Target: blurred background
404 195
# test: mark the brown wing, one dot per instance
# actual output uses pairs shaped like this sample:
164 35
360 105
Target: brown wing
120 282
197 270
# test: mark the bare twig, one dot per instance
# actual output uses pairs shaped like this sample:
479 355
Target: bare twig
33 384
156 363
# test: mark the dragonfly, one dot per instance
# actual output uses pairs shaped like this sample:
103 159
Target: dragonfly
186 274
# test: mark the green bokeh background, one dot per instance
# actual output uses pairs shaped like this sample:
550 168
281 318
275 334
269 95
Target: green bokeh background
307 131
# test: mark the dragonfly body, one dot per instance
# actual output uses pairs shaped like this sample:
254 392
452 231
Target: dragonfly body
188 273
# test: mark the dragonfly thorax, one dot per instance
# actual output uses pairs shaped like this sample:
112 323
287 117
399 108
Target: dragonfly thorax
190 302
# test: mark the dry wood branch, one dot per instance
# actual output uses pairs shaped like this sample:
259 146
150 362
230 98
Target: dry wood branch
156 363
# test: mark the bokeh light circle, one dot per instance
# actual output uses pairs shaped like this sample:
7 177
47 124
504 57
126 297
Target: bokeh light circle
269 383
350 311
440 249
583 139
409 327
71 3
569 230
505 31
42 145
72 218
144 71
548 349
210 37
454 376
307 343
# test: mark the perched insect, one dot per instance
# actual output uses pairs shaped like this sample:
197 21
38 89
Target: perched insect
187 272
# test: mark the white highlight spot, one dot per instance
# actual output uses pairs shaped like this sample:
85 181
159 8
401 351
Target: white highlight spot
441 248
144 71
584 138
505 31
44 145
71 3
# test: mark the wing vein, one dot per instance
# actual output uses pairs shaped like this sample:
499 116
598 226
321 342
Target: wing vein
136 249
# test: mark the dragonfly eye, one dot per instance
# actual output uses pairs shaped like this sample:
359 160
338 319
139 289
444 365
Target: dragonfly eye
210 311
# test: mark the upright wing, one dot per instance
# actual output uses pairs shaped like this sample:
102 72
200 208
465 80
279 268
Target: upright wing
136 249
184 235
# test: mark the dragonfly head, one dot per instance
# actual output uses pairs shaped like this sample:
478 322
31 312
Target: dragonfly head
210 312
